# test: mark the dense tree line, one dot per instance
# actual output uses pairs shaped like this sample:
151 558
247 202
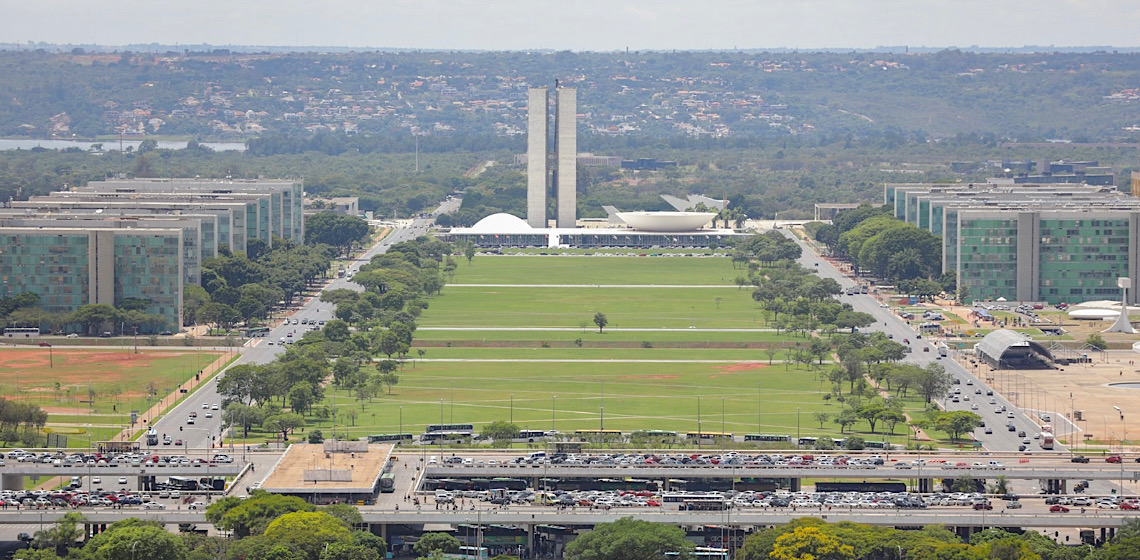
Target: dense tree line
872 239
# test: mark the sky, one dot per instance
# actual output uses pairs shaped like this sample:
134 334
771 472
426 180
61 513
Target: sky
578 25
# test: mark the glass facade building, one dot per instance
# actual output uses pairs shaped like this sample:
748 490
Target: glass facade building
68 267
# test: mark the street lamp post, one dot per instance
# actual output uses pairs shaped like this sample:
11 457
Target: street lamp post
512 408
700 433
797 425
553 401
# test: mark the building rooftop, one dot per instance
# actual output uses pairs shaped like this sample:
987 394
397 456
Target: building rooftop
335 472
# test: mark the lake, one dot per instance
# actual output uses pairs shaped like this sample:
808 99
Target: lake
27 144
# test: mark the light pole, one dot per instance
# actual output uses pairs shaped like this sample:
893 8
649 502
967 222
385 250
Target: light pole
700 433
401 420
440 411
553 401
452 402
797 425
512 408
759 424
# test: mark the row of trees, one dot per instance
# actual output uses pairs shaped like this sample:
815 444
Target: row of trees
363 356
871 238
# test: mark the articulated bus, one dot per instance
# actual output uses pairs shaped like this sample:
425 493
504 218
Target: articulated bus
708 435
389 437
771 438
603 434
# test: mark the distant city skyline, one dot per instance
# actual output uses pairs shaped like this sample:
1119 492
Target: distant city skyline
581 25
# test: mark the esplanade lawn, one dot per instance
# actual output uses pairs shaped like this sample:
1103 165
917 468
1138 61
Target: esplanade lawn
513 338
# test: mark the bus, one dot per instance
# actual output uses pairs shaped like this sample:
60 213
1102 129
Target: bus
446 436
601 434
770 438
680 497
929 328
21 332
943 350
705 503
1047 440
468 553
389 437
708 435
255 332
387 483
704 553
530 435
182 483
450 428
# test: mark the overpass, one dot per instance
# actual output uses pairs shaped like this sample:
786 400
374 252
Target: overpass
12 476
1056 474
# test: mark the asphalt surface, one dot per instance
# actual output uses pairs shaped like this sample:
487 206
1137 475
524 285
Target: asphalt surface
207 432
890 323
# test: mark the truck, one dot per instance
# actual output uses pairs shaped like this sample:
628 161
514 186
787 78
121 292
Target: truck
151 437
943 349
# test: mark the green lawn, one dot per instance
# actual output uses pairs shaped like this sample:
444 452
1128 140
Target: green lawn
536 391
590 335
584 353
575 307
636 271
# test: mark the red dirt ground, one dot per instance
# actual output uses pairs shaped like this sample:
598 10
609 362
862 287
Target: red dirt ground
73 367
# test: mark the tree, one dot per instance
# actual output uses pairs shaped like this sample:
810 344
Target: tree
283 423
956 422
133 539
64 534
822 418
630 539
500 430
308 531
347 551
338 230
252 515
431 543
1096 341
811 542
601 321
933 380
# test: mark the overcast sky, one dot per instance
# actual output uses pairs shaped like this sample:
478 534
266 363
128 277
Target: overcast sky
582 25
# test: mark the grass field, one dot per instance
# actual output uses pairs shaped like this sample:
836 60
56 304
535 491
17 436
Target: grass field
640 307
119 379
545 381
590 335
637 271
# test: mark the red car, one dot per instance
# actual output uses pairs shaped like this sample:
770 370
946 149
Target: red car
1113 459
1129 505
177 442
1059 508
45 344
983 506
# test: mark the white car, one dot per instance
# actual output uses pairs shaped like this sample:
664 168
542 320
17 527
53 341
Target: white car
153 505
96 480
122 480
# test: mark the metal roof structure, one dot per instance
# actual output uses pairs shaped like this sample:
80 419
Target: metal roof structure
997 346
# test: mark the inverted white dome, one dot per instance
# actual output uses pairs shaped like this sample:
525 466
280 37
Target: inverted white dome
666 221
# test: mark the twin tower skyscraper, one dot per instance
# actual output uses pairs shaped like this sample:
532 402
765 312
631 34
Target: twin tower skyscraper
564 161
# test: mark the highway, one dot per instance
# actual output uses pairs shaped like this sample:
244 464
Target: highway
888 322
209 430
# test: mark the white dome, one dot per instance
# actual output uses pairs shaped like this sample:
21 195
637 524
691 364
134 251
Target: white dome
666 221
501 223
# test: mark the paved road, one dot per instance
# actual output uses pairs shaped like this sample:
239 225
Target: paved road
208 431
887 321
